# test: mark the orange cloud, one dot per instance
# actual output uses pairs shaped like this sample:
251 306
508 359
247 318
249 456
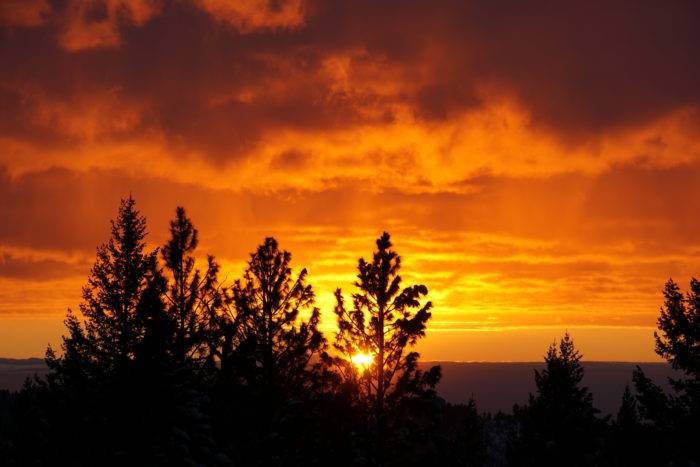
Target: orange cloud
528 190
251 15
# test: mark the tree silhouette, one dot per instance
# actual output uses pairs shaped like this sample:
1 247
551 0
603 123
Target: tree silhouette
267 339
165 365
558 426
113 292
627 442
265 310
679 325
672 419
191 297
114 384
92 384
628 414
385 322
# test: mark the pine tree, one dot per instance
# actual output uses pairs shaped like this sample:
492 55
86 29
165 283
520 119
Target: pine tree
115 285
679 325
268 302
627 415
670 419
118 384
625 435
267 339
385 322
559 425
94 383
191 297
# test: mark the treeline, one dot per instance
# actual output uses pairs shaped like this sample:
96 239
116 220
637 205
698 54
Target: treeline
168 365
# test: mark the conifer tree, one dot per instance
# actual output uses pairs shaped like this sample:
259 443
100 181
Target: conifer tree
277 344
670 419
112 324
625 435
627 415
94 383
385 322
266 337
678 339
559 425
191 297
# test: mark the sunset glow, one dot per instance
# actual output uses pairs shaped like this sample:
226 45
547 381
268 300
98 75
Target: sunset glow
362 361
532 179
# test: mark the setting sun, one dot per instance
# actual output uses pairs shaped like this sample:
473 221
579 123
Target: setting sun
362 360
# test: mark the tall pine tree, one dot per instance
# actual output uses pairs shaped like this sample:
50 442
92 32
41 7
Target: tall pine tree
279 343
191 296
267 339
123 269
384 324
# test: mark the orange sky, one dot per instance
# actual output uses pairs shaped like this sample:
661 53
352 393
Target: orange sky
536 163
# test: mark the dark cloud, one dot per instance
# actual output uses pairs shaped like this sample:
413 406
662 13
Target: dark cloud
17 267
578 68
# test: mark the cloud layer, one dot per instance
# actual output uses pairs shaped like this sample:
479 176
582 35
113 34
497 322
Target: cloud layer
536 162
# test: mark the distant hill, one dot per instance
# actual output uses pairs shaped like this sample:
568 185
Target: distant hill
13 372
495 386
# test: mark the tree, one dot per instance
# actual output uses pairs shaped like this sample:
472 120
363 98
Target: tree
117 386
277 345
93 386
114 289
671 419
559 425
267 339
628 414
625 435
191 297
679 324
385 322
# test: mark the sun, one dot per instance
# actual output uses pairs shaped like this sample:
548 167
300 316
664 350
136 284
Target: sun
362 360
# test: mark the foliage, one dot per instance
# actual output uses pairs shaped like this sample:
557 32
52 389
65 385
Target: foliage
670 420
559 425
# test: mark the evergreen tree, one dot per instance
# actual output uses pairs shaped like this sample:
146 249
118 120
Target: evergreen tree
626 434
93 386
385 322
270 347
672 419
279 343
679 325
113 310
113 292
191 297
627 415
559 425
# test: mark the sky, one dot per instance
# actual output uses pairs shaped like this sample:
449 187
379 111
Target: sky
536 162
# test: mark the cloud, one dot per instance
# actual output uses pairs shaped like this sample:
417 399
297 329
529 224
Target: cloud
251 15
535 161
37 268
24 13
504 88
96 24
